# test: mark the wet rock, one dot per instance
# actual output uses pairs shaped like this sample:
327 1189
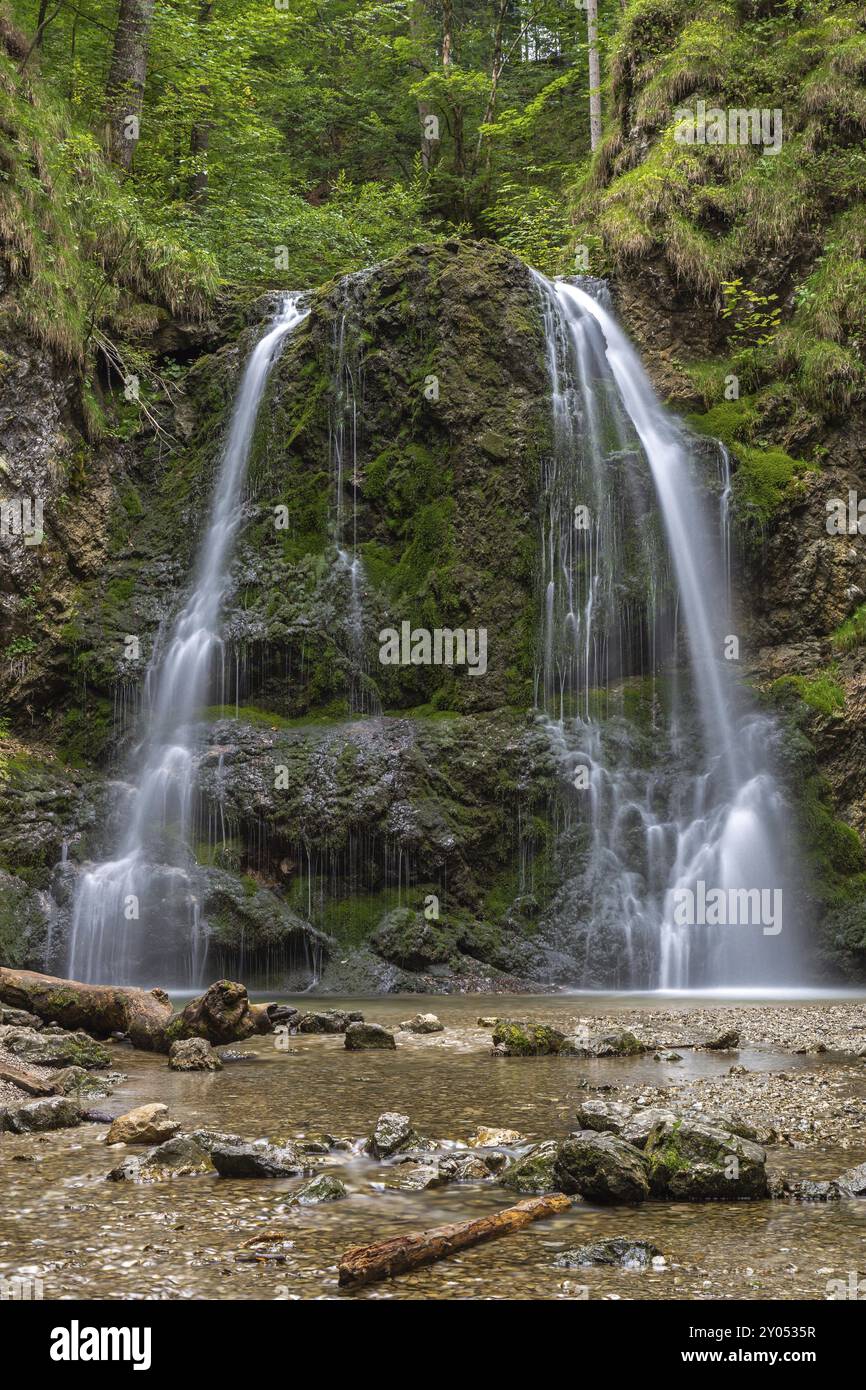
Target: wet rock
317 1143
50 1048
601 1167
485 1135
180 1157
362 1036
330 1021
18 1018
392 1133
324 1188
77 1081
463 1167
610 1115
411 1178
619 1250
256 1158
723 1042
692 1161
853 1182
423 1023
146 1124
641 1124
806 1190
193 1054
208 1139
512 1038
617 1042
230 1054
487 1021
35 1116
534 1172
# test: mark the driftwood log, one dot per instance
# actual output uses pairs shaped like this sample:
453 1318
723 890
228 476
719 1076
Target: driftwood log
26 1081
364 1264
98 1009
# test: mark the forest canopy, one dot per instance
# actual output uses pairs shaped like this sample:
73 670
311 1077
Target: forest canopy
292 140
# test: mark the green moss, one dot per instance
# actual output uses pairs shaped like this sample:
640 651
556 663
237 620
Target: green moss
851 633
822 692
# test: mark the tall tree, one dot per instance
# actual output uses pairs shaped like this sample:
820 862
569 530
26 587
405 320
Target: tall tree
594 73
124 92
199 139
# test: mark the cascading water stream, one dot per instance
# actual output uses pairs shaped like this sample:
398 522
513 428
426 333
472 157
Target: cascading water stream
635 564
139 912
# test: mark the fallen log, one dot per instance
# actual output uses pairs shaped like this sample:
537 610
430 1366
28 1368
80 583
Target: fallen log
26 1081
364 1264
98 1009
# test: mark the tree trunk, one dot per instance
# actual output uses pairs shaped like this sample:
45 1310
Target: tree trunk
364 1264
98 1009
594 74
425 110
124 92
199 140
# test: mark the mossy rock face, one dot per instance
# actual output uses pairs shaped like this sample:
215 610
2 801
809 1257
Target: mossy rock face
602 1168
692 1161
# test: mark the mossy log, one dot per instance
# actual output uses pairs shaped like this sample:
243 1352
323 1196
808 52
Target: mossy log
98 1009
364 1264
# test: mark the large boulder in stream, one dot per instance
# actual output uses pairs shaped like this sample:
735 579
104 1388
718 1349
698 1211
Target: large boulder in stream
512 1038
193 1054
147 1124
691 1160
534 1172
601 1167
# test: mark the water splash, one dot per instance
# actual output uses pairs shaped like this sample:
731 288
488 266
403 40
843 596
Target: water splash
635 566
138 915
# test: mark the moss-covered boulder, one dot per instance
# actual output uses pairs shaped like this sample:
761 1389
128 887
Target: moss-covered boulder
601 1168
689 1160
516 1039
50 1048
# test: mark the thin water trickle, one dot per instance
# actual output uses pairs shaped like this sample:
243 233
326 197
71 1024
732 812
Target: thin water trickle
138 916
636 565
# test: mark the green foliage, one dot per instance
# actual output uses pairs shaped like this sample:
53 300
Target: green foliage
753 317
822 692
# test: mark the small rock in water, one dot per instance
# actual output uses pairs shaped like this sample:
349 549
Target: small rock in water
229 1054
414 1179
180 1157
36 1116
361 1036
487 1021
147 1124
723 1042
324 1188
257 1159
464 1168
193 1054
329 1021
485 1135
423 1023
619 1250
393 1132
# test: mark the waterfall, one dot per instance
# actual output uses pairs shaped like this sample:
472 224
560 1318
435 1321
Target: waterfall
137 915
683 808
